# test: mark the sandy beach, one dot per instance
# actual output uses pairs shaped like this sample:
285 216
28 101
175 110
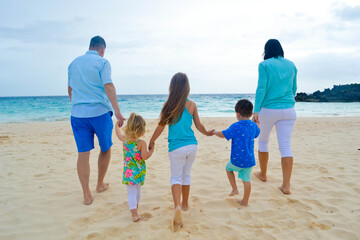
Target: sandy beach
42 199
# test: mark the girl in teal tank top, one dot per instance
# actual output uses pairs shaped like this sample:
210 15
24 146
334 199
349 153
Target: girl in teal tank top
179 113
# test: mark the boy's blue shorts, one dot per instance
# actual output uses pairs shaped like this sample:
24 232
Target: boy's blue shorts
244 173
85 128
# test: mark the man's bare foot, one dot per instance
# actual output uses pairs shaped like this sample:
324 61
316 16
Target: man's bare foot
285 190
102 188
88 201
260 176
234 192
184 207
177 222
242 203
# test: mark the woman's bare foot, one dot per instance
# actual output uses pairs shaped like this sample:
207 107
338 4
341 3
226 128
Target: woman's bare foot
177 222
242 203
234 192
285 190
260 176
103 187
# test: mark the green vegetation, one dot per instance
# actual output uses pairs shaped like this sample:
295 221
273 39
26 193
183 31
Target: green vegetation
339 93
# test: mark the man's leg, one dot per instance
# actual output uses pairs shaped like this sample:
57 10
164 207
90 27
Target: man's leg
103 164
83 169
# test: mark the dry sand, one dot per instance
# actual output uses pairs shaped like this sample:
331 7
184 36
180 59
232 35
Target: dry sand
41 196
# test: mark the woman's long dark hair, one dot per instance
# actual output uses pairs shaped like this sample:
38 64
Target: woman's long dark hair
273 49
175 104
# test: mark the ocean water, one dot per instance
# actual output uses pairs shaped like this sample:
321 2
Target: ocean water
57 108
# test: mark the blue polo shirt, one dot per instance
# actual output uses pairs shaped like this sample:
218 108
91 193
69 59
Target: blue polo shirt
87 76
242 135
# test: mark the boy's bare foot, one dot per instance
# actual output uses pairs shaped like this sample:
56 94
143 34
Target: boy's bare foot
177 222
285 190
260 176
234 192
242 203
184 207
102 188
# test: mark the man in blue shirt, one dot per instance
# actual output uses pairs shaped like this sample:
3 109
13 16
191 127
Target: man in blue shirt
93 97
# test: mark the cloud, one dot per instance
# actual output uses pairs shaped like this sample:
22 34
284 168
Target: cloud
347 13
322 70
61 32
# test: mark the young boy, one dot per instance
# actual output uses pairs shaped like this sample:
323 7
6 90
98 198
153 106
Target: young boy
242 159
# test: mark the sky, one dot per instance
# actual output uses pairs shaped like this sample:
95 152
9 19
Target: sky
218 44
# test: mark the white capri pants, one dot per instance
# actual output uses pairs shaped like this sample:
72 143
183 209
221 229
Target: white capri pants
181 160
134 194
284 120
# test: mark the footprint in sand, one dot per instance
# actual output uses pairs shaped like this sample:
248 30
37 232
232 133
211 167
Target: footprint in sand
319 226
83 222
145 216
176 223
94 236
39 175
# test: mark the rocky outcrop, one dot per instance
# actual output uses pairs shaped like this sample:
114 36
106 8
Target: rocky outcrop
339 93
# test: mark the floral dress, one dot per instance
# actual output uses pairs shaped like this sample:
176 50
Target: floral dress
134 165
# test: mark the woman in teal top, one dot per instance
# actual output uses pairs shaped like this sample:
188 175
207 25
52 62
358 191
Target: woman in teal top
179 113
274 106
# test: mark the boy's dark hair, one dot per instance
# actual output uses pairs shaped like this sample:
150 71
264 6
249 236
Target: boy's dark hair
97 42
244 107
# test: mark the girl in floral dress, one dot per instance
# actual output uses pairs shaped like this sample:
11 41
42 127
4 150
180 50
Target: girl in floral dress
135 154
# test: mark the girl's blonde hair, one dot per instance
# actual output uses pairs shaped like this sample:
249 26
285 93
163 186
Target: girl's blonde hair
135 126
175 104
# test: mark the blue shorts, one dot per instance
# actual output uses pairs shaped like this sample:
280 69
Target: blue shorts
85 128
244 173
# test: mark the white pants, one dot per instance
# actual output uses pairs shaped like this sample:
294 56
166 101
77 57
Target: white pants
181 160
284 120
134 194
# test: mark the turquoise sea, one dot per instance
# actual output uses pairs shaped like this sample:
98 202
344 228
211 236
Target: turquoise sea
57 108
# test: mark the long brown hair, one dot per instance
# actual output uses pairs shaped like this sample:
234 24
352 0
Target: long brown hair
175 104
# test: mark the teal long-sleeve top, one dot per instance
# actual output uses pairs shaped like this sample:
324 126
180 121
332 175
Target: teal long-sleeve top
276 85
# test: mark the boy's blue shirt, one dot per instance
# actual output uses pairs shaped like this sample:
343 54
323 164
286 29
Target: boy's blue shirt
242 134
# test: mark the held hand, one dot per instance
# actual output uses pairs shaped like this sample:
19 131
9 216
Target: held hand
119 123
120 118
151 146
211 132
256 118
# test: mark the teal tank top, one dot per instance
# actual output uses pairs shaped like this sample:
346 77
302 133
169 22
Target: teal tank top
180 133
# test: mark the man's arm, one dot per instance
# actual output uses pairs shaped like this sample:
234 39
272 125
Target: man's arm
120 136
69 92
111 94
